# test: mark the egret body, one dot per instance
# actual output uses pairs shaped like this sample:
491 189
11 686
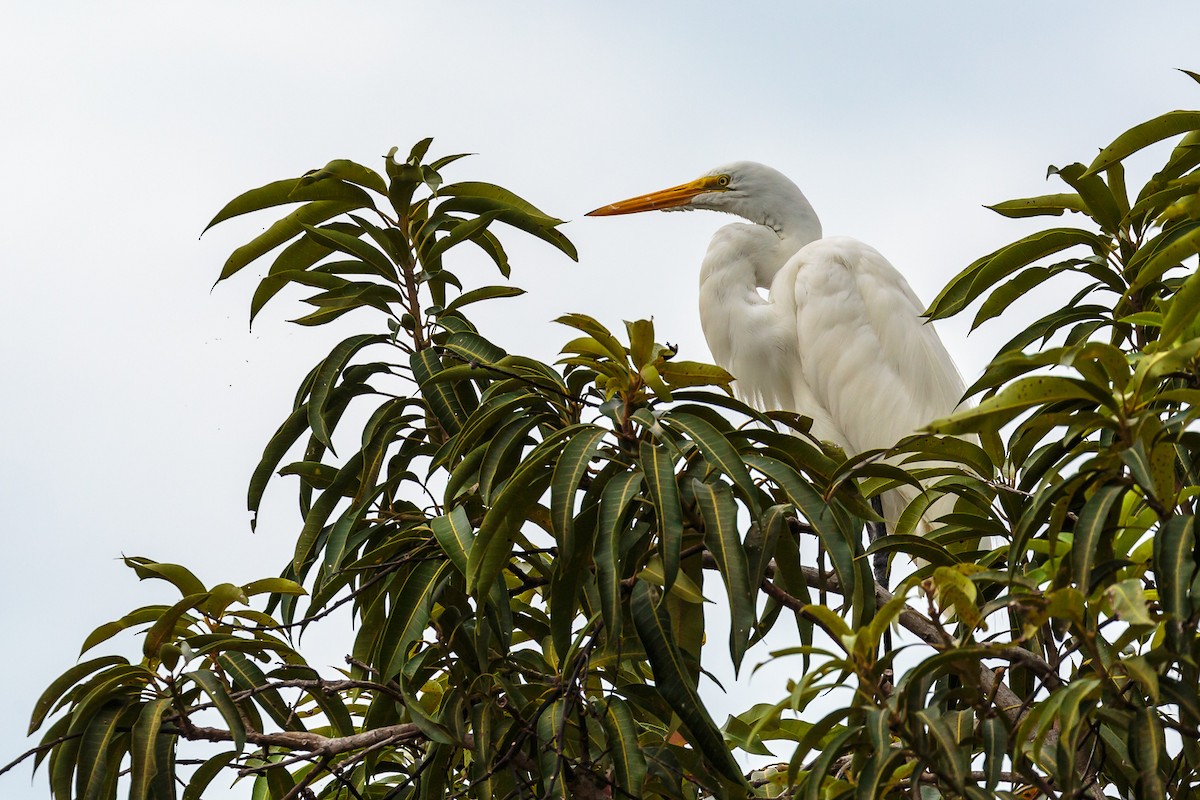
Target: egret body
839 337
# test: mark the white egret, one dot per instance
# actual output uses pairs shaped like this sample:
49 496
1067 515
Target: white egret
839 338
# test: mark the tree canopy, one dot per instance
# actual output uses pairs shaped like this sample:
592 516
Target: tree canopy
529 550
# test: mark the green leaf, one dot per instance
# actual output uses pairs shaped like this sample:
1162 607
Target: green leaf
461 230
351 244
1184 309
674 683
355 173
615 350
1101 204
1174 568
614 505
246 676
658 465
1088 532
1015 398
1146 746
679 374
216 690
142 749
341 487
472 347
1048 204
100 755
989 270
271 285
493 542
454 533
409 616
64 682
995 748
627 757
504 451
282 441
1147 133
722 539
718 452
204 774
483 293
330 189
1168 251
287 228
441 398
568 473
164 628
841 547
272 585
275 193
180 577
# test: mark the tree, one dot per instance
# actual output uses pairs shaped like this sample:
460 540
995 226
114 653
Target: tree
526 547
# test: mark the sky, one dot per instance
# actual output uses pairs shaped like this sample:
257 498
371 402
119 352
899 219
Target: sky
137 400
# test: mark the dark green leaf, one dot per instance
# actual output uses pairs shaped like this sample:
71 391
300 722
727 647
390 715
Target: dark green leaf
674 682
1088 532
219 694
272 194
142 749
287 228
658 466
64 682
722 539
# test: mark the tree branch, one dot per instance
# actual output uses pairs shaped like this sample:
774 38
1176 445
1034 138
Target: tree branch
302 740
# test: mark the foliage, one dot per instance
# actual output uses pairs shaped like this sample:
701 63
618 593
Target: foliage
524 547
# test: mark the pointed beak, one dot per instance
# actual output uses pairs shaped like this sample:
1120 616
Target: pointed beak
663 199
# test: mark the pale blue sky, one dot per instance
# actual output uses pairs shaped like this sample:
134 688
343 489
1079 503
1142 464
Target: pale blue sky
136 402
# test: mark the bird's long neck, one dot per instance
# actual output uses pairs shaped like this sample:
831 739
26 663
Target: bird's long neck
792 219
783 224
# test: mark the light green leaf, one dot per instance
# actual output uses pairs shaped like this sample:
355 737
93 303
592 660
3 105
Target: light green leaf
1147 133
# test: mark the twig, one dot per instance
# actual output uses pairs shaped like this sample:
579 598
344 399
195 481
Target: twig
35 750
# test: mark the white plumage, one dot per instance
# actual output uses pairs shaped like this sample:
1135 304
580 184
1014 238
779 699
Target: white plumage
839 337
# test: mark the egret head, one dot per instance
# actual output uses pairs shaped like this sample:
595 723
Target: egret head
747 189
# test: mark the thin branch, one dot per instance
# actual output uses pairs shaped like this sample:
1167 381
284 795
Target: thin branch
313 743
35 750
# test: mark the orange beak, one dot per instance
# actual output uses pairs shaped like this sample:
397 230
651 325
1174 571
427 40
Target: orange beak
663 199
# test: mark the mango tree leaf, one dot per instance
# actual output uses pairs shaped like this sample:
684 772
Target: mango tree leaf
628 760
204 774
64 682
658 466
219 694
143 746
275 193
1088 531
989 270
674 683
179 576
1049 204
1147 133
722 539
285 229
